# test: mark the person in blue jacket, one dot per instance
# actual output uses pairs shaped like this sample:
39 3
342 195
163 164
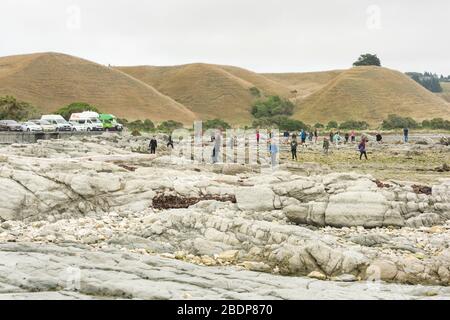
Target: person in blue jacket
303 136
273 150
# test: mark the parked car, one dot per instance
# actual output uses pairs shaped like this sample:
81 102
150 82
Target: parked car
79 127
60 123
45 125
10 125
89 119
31 127
110 122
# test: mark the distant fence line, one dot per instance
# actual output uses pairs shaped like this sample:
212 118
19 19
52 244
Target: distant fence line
33 137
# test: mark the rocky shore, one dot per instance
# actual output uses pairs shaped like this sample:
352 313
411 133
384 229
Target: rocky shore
133 225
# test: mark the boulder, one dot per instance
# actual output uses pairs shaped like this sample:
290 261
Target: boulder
361 208
258 198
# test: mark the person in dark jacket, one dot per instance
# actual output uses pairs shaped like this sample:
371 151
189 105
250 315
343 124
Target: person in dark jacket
153 145
286 135
170 143
379 138
347 137
406 135
294 145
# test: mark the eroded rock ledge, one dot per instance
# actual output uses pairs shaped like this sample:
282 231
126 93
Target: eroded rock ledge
338 226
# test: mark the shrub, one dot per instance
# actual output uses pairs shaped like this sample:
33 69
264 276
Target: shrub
319 126
352 124
136 133
396 122
273 106
169 126
426 124
146 125
76 107
332 125
12 109
255 92
123 121
281 122
216 124
437 123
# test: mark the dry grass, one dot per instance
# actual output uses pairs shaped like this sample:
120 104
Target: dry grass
370 94
446 93
384 164
52 80
205 91
304 83
211 91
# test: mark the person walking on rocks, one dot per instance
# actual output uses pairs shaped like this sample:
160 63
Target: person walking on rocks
153 145
326 146
294 145
273 150
217 147
316 135
353 136
286 137
303 136
258 136
347 137
170 143
362 148
405 135
337 139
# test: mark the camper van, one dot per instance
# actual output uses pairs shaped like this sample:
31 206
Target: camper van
110 122
90 120
57 120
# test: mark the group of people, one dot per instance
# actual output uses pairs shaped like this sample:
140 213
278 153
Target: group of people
334 137
337 138
303 135
154 144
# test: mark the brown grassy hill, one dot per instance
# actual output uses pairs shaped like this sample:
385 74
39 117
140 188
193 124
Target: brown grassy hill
211 91
370 94
266 85
205 91
446 93
51 80
304 83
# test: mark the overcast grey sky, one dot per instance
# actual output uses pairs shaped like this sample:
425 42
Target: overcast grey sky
264 35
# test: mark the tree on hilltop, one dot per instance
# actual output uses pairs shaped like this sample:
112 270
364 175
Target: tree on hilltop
368 60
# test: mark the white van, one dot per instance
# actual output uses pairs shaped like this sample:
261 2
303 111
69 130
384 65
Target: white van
90 120
57 120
